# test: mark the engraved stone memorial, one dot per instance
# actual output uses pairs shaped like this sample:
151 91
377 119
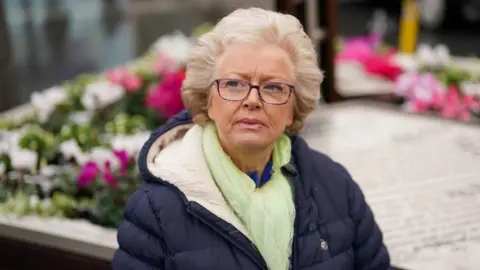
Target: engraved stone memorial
420 175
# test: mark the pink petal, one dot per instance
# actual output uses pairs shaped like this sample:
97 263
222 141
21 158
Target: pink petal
124 160
471 102
438 99
166 97
116 75
164 65
108 175
416 106
110 178
88 173
404 83
132 82
465 115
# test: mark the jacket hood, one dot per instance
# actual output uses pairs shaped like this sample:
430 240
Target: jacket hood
173 154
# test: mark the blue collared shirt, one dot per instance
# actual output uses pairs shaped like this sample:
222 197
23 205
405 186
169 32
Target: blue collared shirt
267 173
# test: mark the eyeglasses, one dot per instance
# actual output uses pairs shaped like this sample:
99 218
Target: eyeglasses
269 92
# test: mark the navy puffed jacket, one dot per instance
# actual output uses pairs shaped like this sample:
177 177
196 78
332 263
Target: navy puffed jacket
179 220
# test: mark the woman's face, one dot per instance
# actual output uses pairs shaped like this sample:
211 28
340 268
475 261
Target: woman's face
252 117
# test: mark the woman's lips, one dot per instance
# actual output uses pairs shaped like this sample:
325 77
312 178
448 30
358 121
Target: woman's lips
250 123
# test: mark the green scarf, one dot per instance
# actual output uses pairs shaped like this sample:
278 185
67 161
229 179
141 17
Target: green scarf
267 212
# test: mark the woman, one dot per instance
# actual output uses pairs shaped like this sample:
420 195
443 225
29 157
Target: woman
228 185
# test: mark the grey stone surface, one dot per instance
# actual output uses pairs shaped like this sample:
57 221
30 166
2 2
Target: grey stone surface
420 175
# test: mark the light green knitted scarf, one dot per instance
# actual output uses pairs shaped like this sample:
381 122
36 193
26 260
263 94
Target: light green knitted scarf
267 212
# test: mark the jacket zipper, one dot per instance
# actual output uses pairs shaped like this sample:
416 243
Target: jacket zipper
227 235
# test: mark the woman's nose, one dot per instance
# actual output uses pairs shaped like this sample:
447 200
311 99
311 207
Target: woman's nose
253 99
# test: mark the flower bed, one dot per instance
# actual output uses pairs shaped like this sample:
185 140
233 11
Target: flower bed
438 85
427 81
74 154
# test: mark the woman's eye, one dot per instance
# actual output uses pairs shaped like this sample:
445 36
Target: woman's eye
232 84
272 87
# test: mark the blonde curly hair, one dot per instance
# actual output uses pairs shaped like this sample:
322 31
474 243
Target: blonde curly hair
254 25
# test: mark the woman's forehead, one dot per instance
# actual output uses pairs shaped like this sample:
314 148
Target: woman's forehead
248 61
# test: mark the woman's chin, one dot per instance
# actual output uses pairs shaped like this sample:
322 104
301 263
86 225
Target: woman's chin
251 140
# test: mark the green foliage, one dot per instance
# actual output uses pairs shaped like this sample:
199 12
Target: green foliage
7 125
124 124
86 135
39 141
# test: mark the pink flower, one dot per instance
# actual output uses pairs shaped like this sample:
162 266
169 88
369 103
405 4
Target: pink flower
382 66
438 99
88 173
124 160
471 102
131 82
122 76
359 48
364 51
164 65
108 175
166 97
117 75
456 106
405 83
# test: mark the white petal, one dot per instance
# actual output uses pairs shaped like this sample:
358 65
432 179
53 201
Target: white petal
46 101
131 144
100 94
23 159
177 46
101 155
442 54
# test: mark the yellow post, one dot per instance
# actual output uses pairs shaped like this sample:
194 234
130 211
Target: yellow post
409 26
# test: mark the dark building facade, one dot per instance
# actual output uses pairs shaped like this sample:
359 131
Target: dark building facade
5 60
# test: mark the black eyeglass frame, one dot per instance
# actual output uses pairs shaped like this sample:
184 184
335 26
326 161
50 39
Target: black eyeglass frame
252 86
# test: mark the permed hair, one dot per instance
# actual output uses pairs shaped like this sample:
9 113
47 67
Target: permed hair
254 25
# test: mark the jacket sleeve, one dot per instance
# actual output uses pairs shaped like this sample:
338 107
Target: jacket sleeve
370 251
139 236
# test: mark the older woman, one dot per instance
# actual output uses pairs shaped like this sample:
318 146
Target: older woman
228 184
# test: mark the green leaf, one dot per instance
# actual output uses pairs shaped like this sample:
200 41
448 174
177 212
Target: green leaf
64 203
6 124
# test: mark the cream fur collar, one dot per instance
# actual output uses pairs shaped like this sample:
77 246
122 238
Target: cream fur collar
177 157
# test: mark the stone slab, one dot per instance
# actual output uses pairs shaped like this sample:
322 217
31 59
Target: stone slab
420 175
76 236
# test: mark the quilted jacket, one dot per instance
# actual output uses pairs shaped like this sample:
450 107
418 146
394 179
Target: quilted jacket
179 220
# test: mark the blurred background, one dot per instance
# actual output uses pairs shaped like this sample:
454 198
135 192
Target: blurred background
44 42
383 60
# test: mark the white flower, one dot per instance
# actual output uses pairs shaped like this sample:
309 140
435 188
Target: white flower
442 54
100 94
49 170
101 155
434 57
131 144
9 141
426 55
45 102
406 62
4 142
176 46
81 117
23 159
470 88
70 149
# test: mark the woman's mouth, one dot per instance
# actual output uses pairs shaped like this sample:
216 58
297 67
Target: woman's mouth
251 123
